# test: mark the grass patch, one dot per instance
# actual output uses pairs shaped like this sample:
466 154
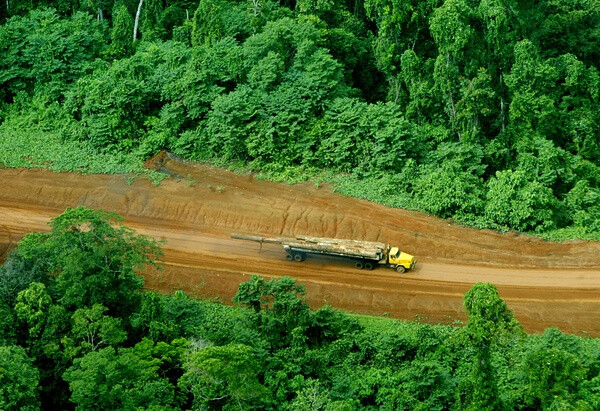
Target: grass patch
385 325
34 148
376 324
570 234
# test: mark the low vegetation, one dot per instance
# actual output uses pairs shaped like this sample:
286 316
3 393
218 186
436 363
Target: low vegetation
77 331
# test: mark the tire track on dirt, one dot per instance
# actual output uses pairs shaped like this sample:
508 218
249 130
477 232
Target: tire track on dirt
546 284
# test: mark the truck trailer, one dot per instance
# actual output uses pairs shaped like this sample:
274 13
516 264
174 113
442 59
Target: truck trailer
365 254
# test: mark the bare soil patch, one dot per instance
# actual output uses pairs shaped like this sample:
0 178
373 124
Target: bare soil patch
196 210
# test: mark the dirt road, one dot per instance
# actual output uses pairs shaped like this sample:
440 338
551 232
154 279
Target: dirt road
195 211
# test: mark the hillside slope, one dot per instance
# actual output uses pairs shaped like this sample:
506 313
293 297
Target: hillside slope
546 284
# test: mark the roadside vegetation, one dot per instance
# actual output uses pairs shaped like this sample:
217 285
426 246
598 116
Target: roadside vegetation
77 331
485 112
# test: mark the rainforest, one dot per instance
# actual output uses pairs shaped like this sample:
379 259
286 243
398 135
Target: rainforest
483 113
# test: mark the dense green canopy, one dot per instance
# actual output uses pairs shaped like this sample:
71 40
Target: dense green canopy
482 111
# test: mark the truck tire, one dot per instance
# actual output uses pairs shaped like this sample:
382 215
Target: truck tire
369 266
359 265
400 269
289 257
298 257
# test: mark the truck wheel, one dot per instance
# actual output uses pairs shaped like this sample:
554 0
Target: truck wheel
298 257
369 266
400 269
359 265
289 257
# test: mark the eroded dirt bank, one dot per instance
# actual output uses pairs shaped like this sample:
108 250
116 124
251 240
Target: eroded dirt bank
546 284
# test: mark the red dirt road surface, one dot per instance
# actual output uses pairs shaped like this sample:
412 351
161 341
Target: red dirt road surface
196 210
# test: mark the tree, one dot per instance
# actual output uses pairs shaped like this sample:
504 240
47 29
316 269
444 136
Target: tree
566 26
430 384
449 183
43 53
312 396
584 201
150 320
477 102
95 330
42 331
401 26
7 325
418 80
18 380
454 36
365 138
208 23
32 308
97 7
127 379
554 98
112 105
121 44
278 307
290 80
229 124
223 378
516 201
343 135
152 27
137 20
93 259
553 376
328 325
19 271
490 324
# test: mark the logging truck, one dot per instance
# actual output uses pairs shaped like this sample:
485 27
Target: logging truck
365 254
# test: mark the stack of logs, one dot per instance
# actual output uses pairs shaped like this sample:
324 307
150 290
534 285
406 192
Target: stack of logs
365 249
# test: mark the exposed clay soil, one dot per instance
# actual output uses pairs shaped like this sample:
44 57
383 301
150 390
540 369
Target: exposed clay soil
196 210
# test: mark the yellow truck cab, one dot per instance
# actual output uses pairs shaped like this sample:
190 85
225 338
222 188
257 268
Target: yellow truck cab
401 261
